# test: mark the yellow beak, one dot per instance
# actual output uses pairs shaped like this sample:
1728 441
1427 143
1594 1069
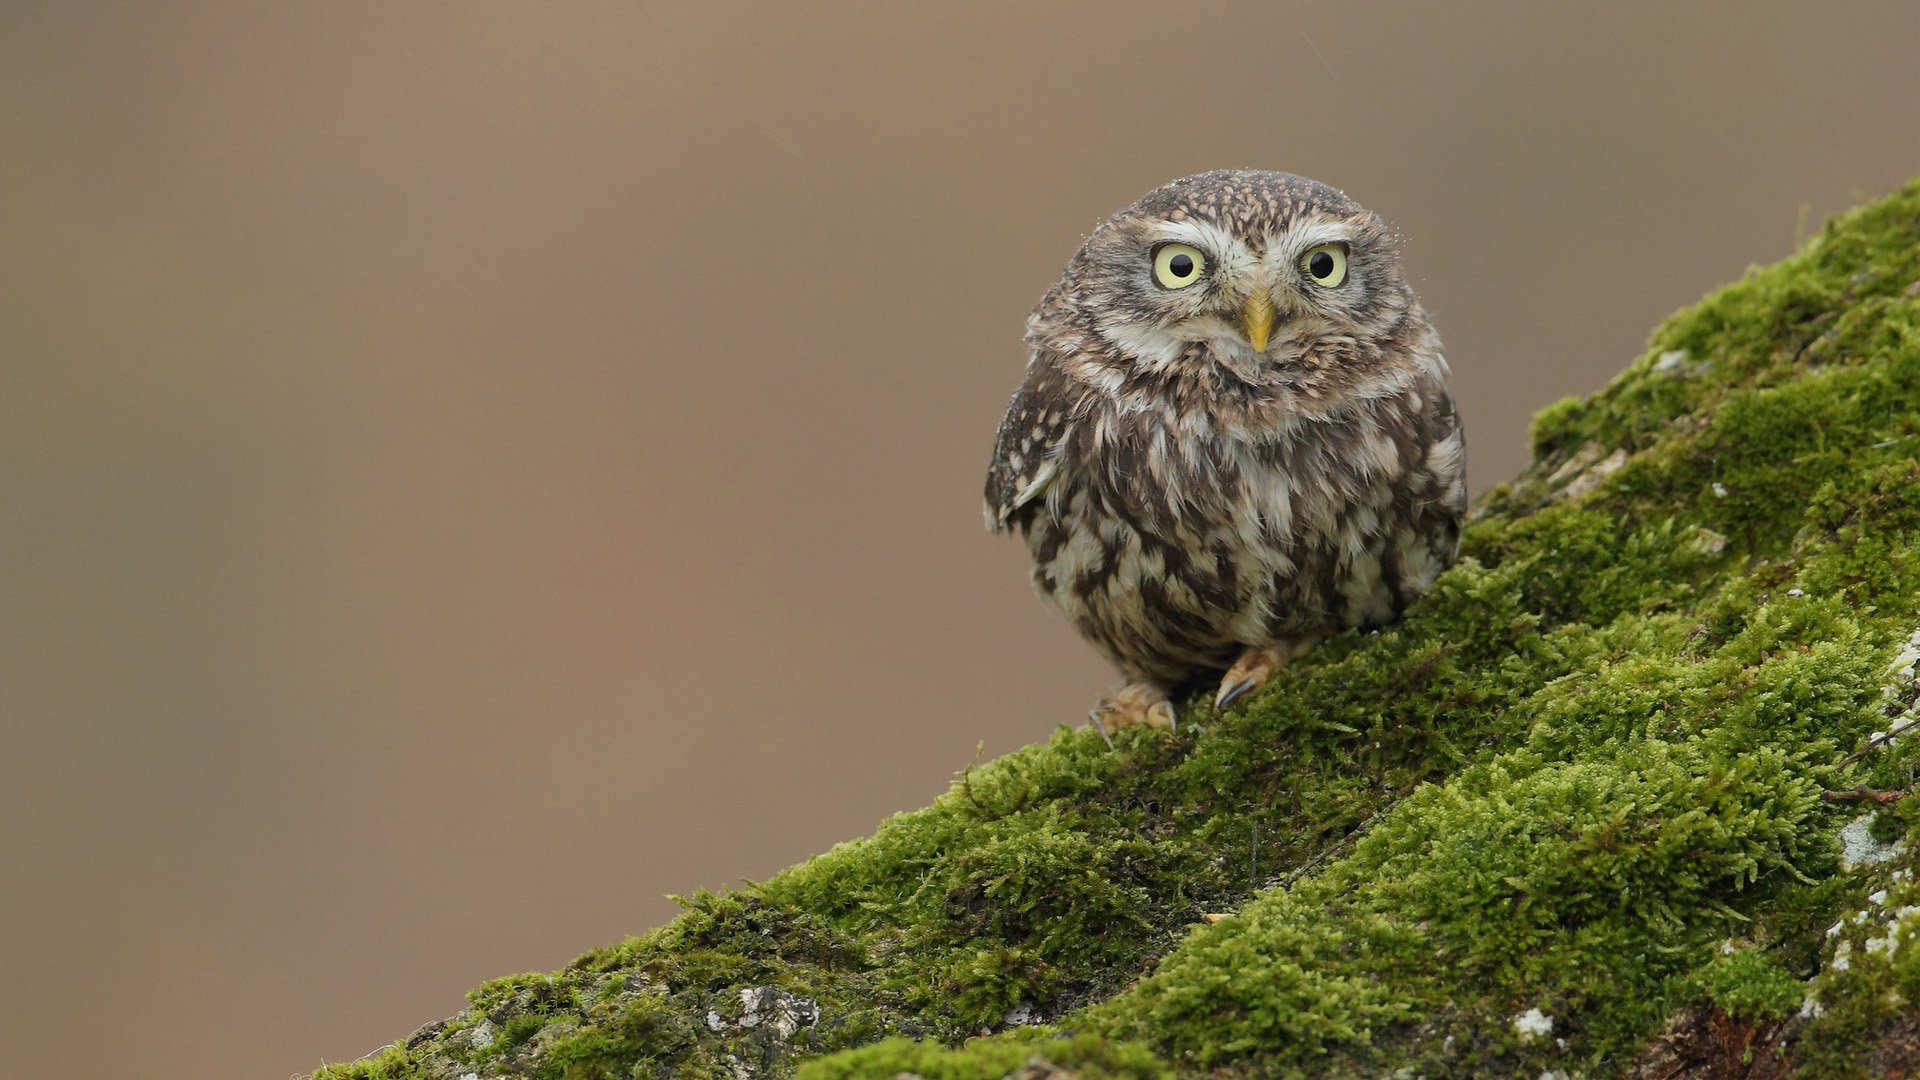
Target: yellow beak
1259 320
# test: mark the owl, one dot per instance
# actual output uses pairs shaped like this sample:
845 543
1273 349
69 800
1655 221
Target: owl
1234 437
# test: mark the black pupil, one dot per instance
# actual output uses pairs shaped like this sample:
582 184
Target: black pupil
1181 265
1321 265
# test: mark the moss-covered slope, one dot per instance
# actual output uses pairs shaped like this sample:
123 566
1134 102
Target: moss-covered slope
1582 810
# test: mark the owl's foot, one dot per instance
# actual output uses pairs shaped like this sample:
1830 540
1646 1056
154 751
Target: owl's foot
1136 703
1257 665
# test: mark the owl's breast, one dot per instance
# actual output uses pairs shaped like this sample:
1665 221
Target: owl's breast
1156 595
1171 546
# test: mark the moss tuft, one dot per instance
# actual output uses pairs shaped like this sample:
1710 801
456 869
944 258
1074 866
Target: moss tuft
1748 984
1087 1056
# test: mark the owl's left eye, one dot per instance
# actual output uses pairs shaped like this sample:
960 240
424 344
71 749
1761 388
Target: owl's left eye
1176 266
1326 264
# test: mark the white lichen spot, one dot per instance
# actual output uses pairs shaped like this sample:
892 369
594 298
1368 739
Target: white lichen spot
1533 1024
469 1076
1843 957
1883 945
1858 847
1587 481
1834 930
1878 897
1670 359
1719 489
1908 658
1900 696
482 1035
1893 731
1811 1008
1019 1016
775 1008
1796 592
1583 457
716 1022
1555 1074
1706 541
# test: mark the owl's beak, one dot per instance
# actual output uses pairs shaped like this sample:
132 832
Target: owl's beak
1258 321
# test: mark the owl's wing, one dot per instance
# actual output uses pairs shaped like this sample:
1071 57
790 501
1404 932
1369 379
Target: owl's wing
1026 455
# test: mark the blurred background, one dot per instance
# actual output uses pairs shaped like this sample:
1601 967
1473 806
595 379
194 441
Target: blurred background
470 469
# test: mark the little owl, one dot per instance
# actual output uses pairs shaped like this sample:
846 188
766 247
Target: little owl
1234 437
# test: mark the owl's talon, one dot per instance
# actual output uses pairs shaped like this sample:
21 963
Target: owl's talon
1249 673
1093 717
1136 703
1257 665
1231 693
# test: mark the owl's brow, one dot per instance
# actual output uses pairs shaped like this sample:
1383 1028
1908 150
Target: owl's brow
1201 234
1303 233
1310 233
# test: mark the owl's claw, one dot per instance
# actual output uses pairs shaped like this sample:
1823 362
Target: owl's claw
1093 717
1257 665
1136 703
1249 673
1231 692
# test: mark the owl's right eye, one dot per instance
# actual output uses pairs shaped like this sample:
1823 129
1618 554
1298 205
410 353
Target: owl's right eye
1176 266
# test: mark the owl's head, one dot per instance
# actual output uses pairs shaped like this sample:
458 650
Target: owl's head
1264 278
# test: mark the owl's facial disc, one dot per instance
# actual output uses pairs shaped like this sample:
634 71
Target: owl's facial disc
1258 301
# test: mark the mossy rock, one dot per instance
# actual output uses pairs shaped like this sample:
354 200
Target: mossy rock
1615 798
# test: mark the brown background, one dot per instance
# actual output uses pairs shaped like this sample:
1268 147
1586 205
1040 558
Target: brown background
469 469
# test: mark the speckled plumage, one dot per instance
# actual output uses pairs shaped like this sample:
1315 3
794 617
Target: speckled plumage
1190 502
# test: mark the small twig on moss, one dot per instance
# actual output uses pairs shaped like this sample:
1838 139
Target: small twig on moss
966 777
1253 863
1861 794
1344 843
1877 740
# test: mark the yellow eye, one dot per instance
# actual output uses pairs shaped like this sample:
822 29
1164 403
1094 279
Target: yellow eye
1326 264
1176 266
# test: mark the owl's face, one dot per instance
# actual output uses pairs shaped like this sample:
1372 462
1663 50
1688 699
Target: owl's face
1267 278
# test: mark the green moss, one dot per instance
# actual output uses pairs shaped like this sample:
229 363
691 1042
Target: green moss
1588 759
1088 1056
1746 983
1869 975
390 1063
1554 428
